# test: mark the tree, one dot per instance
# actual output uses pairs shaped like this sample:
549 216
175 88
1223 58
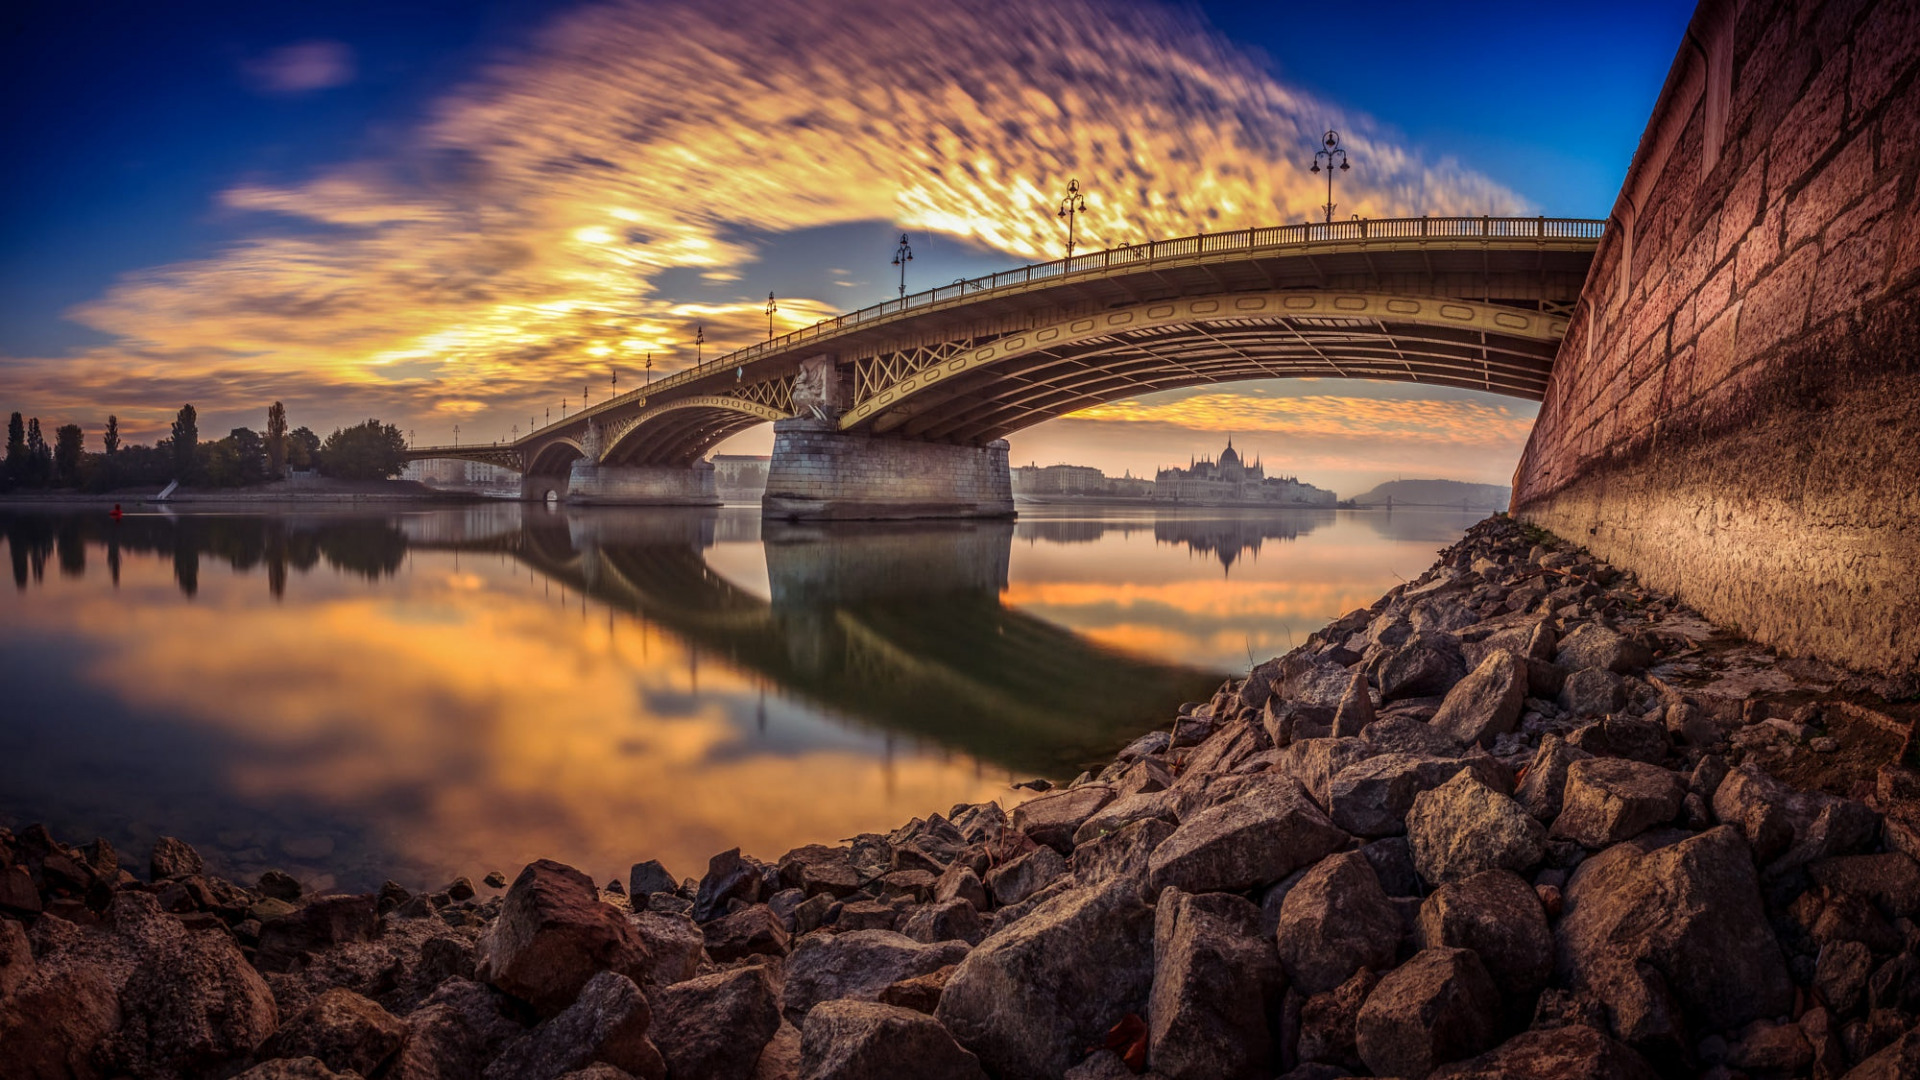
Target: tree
186 442
112 438
276 440
250 452
68 443
39 454
16 449
303 448
369 451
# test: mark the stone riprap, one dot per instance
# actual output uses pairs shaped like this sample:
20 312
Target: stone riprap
1708 869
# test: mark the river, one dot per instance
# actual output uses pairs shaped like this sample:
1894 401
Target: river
418 694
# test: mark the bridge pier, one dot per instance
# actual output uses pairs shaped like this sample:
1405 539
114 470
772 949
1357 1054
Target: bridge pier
642 485
821 473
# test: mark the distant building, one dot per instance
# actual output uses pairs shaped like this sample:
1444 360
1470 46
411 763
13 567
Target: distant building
1077 482
740 474
454 473
1231 481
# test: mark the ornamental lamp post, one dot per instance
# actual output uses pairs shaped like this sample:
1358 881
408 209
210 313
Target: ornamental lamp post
1331 140
1071 208
901 257
699 342
771 308
649 369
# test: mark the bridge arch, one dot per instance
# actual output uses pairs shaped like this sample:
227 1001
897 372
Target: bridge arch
681 431
1029 376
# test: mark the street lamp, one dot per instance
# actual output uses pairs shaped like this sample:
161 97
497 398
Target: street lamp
771 308
650 369
699 342
901 257
1072 207
1332 142
456 434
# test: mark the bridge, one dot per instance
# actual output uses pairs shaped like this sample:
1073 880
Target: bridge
901 409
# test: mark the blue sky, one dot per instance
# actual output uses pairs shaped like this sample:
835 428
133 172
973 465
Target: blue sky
153 143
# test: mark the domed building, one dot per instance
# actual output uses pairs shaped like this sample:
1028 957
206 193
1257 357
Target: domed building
1232 481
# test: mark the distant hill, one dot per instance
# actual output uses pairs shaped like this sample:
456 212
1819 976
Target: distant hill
1437 493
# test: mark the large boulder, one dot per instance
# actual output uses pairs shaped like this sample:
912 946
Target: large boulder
1542 790
1216 980
953 920
190 1007
1573 1052
606 1022
1438 1007
1690 913
675 947
1607 800
1596 645
454 1033
714 1027
1335 921
174 858
1464 827
1497 915
1024 875
1328 1020
861 1040
1486 703
1372 798
817 868
554 934
857 964
750 931
342 1029
1425 665
1788 828
1052 819
1031 998
1890 879
1315 762
289 939
1270 831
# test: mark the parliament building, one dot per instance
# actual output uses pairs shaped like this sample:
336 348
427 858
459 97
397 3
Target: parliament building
1233 482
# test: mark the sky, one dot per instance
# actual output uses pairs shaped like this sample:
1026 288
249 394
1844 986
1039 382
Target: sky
442 213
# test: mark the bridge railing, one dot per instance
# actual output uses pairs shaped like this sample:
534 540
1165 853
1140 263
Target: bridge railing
1355 231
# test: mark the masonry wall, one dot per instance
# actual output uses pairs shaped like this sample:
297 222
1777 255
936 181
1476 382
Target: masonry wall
1735 411
819 472
643 485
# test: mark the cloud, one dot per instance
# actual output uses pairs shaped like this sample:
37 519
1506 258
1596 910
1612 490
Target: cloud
1458 423
301 68
519 242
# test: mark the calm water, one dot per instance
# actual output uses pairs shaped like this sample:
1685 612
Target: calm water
423 694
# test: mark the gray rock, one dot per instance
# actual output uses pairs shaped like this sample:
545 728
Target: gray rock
1392 861
1544 785
857 1040
1333 922
1372 798
1592 692
675 948
1486 703
1127 853
1438 1007
1786 828
1463 827
1270 831
714 1027
1328 1021
174 858
857 964
1573 1052
1623 736
1608 800
1126 810
343 1030
959 882
1216 979
647 878
1497 915
1034 996
750 931
1597 646
607 1022
454 1033
1427 663
1025 875
1355 711
816 868
1315 762
730 876
1405 735
191 1005
554 934
952 920
1053 819
287 940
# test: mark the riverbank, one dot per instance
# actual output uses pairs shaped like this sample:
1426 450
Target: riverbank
1520 813
280 493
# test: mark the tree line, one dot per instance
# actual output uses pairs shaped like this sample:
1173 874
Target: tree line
366 451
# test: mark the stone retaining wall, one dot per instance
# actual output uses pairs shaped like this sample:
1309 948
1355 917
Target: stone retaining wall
1733 412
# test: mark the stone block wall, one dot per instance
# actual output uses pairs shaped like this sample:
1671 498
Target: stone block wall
819 472
643 485
1735 411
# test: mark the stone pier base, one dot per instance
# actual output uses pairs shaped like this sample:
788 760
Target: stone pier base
821 473
642 485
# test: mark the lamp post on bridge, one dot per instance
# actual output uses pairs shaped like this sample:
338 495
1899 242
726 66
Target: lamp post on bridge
1331 140
1071 208
650 369
699 342
456 435
901 257
771 308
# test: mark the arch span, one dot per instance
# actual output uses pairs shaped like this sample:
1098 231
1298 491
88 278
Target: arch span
680 432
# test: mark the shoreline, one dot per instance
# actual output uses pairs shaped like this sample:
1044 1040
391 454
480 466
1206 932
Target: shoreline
1431 834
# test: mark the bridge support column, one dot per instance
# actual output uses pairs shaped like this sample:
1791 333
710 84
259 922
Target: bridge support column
642 485
821 473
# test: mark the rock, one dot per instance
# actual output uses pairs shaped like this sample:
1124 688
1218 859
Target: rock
1900 1061
1127 853
1328 1019
1427 663
173 858
17 893
1392 862
1463 827
1691 913
954 920
1623 736
1153 742
1216 978
1438 1007
1372 798
858 1040
864 915
606 1022
497 880
1542 789
280 885
715 1027
1840 974
1355 711
1765 1048
1123 811
1335 921
1573 1052
1270 831
1053 819
675 947
920 993
1592 692
1608 800
16 957
1485 703
817 869
857 964
1014 881
1596 646
1315 762
781 1058
1031 998
1499 916
305 1068
729 877
286 940
750 931
959 882
1891 880
192 1005
461 889
1788 828
1405 735
553 935
343 1030
454 1033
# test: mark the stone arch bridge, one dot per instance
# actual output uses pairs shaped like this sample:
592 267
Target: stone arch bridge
901 409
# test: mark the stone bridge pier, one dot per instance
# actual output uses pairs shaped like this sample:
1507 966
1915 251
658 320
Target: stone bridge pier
642 485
